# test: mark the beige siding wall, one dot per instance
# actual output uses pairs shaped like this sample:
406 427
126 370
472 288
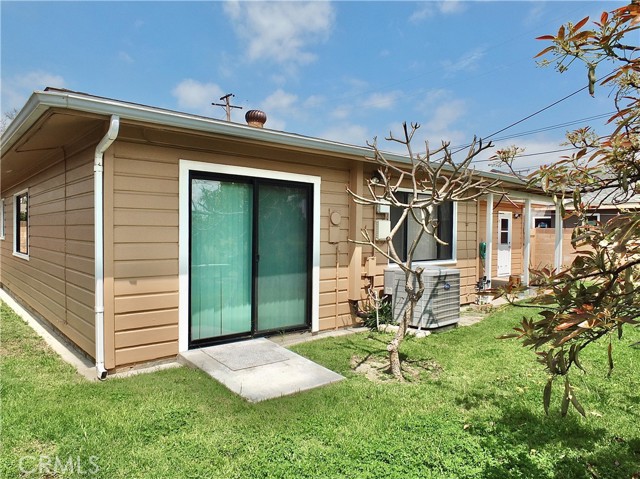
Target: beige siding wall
466 251
144 250
57 279
144 247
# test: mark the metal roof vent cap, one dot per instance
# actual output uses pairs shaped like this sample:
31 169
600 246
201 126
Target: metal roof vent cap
256 118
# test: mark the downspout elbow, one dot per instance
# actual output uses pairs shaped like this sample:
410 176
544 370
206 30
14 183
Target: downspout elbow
105 143
98 168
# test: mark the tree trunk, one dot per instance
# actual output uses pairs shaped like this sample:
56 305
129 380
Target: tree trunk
394 346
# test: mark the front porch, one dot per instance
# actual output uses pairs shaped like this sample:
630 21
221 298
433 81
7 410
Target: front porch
506 226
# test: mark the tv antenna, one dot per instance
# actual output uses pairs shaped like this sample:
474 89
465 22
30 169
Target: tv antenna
227 104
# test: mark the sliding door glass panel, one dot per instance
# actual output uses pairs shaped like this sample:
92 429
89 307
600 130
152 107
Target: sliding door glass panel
221 252
283 264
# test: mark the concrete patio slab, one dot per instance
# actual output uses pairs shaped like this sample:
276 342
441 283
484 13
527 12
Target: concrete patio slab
259 369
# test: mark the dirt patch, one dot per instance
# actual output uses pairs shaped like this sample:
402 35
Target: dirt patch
376 369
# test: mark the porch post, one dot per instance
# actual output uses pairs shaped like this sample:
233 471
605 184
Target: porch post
558 245
489 238
527 241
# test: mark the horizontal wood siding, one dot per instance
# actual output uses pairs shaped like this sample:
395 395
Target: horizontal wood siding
145 254
57 281
466 251
145 241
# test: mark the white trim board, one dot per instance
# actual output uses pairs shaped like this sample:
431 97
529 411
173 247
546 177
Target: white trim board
183 239
16 238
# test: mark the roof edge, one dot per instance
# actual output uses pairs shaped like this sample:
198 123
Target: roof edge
41 101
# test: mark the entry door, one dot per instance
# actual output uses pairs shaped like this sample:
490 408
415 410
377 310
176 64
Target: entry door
504 243
250 256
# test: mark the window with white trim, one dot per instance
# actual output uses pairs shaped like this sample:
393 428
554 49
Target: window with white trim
592 219
21 224
542 222
428 249
2 227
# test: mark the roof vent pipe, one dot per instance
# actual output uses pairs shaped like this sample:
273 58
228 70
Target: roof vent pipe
98 209
256 118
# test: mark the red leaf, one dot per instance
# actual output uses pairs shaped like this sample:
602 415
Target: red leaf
582 36
580 24
546 37
604 17
546 50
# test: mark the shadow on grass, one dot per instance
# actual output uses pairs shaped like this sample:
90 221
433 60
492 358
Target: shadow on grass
574 448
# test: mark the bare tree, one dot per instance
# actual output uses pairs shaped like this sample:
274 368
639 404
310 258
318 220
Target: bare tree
7 118
431 178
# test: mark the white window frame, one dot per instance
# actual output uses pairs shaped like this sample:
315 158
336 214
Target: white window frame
2 219
16 239
454 240
533 222
595 216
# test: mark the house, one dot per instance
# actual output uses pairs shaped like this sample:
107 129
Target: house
604 205
140 232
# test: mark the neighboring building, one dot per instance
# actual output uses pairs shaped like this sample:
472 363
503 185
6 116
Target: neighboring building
603 206
140 232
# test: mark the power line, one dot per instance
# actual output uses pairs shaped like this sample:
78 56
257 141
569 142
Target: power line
488 160
550 127
537 112
551 105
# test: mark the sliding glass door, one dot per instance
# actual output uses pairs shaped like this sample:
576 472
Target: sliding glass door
283 256
221 252
250 256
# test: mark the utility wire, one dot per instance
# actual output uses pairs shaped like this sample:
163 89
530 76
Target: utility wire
548 128
532 154
537 112
458 150
531 116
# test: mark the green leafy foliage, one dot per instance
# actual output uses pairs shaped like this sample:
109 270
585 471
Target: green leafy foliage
598 295
384 314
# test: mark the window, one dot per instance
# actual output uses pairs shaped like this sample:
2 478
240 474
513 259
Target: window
2 227
542 222
21 224
592 219
504 230
428 249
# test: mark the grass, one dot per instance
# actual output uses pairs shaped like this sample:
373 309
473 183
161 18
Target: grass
479 416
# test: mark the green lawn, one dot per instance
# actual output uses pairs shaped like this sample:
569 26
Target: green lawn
479 416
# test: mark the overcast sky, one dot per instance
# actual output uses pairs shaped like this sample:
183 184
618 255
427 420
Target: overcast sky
346 71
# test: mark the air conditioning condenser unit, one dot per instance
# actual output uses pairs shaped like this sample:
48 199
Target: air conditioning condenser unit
440 302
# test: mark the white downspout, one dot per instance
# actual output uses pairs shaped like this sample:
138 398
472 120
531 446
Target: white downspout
98 209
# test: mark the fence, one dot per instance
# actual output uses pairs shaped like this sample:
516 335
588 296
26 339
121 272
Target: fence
543 243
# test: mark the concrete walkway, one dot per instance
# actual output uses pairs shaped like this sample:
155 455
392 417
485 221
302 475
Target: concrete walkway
259 369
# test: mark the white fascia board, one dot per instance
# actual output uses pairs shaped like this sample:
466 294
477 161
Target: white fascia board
25 118
41 101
